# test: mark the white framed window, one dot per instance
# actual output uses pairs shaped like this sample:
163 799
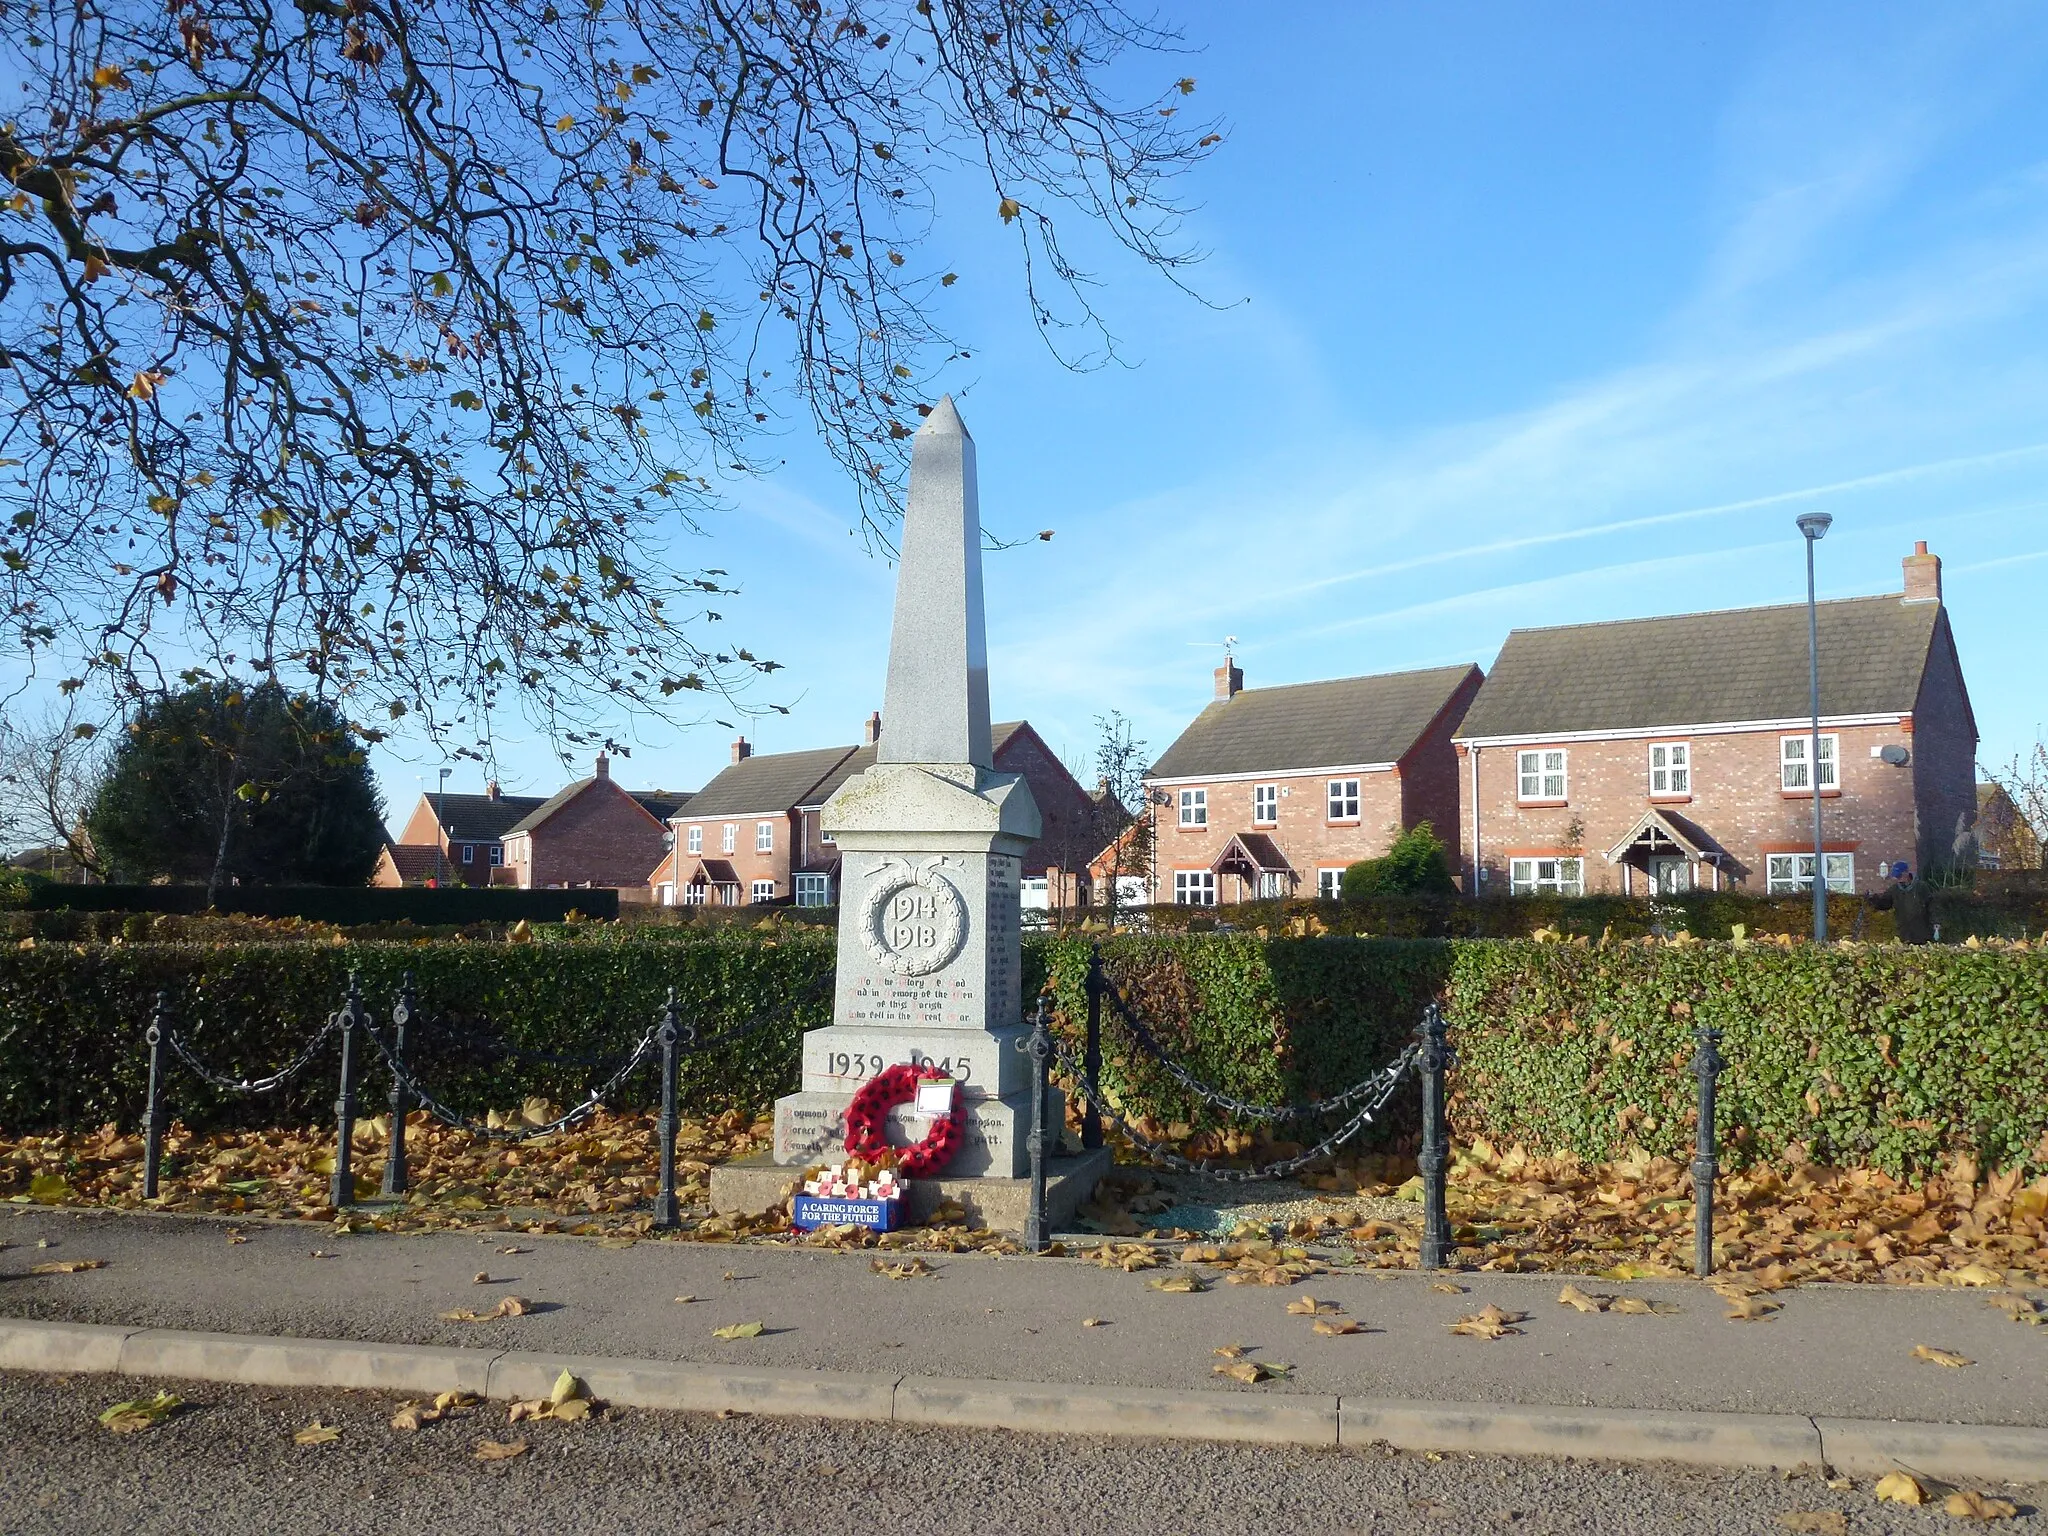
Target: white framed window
1792 774
696 895
826 837
1194 808
1670 767
763 890
1194 887
1272 884
1265 804
1785 873
1547 877
1330 883
497 854
731 839
1343 799
695 840
1540 775
764 837
814 890
469 853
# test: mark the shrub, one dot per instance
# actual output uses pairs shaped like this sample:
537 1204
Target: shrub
1415 865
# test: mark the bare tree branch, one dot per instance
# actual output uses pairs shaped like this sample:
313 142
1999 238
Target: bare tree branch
396 348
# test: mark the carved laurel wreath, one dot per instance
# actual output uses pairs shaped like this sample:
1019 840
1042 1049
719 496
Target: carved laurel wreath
951 919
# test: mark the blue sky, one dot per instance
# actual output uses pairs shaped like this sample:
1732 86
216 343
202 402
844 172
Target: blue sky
1531 315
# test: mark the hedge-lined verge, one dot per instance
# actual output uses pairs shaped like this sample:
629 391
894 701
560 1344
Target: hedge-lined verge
1883 1056
72 1019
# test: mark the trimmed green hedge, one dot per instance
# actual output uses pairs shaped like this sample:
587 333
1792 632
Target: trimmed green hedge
344 905
72 1019
1962 914
1879 1055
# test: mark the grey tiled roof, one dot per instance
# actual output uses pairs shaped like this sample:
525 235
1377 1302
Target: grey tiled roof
1312 725
479 818
1705 669
770 781
661 803
860 759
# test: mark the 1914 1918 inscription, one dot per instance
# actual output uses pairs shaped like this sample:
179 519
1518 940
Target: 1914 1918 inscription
913 921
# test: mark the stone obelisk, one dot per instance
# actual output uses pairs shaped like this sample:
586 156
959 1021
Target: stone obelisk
930 840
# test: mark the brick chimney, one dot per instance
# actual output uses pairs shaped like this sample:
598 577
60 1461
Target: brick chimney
491 791
1923 575
872 731
741 751
604 765
1229 679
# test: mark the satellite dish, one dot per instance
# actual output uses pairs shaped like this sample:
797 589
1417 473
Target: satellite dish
1897 756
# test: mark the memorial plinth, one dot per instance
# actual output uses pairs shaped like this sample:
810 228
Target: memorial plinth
931 842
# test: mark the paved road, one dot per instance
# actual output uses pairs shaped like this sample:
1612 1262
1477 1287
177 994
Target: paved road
228 1466
1832 1350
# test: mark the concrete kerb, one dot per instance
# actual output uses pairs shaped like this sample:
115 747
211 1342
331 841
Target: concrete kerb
1775 1441
1859 1447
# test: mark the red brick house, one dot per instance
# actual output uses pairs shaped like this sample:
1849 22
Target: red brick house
455 840
1274 791
751 836
1672 753
591 833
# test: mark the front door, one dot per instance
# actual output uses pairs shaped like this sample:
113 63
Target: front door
1669 875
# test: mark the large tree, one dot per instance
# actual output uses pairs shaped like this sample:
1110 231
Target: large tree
256 785
387 346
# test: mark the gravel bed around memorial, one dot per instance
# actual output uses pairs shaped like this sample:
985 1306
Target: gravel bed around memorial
1215 1208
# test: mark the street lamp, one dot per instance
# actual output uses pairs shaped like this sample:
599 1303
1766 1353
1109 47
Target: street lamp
1815 525
441 828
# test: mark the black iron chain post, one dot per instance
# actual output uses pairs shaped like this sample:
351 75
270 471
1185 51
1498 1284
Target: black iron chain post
402 1014
1435 1157
1706 1065
341 1192
668 1212
153 1114
1091 1059
1039 1048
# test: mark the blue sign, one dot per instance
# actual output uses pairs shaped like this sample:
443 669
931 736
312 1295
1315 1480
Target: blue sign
809 1211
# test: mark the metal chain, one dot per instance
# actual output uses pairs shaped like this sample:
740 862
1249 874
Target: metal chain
462 1122
268 1084
1271 1114
1387 1079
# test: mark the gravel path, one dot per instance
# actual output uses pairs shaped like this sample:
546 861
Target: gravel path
228 1466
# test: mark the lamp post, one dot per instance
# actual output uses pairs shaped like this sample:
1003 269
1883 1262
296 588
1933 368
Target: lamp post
1815 525
440 845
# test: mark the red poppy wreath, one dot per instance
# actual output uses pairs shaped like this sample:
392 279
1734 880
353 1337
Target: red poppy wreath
868 1115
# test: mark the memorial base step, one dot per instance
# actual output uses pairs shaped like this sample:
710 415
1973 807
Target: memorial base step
811 1128
756 1184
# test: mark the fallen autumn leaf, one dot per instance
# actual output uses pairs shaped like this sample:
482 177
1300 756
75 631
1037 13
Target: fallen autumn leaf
141 1413
1940 1356
1968 1504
